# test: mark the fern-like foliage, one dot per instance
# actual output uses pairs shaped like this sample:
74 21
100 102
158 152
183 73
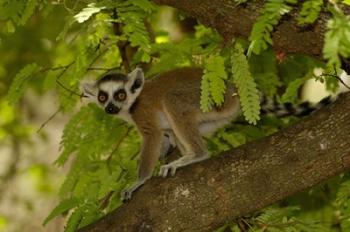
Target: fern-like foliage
275 215
291 92
342 202
17 13
102 148
337 38
245 84
132 14
238 134
188 52
28 10
74 220
206 101
343 194
310 11
63 207
88 11
285 219
213 83
76 63
271 14
264 70
172 55
20 82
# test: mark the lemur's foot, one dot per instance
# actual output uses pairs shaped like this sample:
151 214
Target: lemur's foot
183 161
127 193
168 168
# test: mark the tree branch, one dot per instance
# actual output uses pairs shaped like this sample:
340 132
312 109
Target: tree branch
203 196
231 21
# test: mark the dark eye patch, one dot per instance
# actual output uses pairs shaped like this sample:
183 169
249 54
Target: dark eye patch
137 84
102 96
120 95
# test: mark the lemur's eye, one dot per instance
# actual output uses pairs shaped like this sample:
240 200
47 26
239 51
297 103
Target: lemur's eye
102 97
120 95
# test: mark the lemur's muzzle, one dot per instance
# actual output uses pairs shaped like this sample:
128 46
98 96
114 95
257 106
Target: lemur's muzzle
111 109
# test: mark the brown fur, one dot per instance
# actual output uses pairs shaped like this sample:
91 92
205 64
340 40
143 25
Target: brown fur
166 111
174 97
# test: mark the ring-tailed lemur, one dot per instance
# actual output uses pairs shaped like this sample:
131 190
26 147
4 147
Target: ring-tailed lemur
166 112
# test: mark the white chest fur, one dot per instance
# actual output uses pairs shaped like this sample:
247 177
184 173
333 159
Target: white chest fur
125 115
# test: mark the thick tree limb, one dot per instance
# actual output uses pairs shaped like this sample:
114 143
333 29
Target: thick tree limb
203 196
231 21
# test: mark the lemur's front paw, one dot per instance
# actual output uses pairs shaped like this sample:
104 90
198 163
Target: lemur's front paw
168 168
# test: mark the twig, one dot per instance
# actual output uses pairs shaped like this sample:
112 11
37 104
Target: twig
244 225
118 145
48 120
64 70
104 201
134 155
69 90
335 75
122 46
102 69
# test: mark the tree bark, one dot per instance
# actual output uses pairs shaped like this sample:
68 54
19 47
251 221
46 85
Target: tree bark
204 196
232 21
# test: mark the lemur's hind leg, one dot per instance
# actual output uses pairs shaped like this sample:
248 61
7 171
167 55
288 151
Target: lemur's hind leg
149 157
181 119
169 144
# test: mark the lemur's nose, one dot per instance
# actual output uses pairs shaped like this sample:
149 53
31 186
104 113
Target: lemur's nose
111 109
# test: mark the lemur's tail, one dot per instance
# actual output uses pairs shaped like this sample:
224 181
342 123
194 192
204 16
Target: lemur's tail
269 106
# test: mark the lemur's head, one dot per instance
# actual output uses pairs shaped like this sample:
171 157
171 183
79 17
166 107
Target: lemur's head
115 91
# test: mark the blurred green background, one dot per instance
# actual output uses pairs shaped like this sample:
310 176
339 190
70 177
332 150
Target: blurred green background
28 180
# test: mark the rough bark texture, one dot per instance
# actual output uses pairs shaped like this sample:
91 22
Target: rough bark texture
231 21
203 196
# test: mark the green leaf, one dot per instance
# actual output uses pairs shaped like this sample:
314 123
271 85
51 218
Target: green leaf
132 14
264 70
28 10
291 93
245 84
61 208
310 11
20 82
146 5
337 39
235 139
213 83
271 14
87 12
74 220
205 102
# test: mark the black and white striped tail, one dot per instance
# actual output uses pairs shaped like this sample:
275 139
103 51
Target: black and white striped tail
269 106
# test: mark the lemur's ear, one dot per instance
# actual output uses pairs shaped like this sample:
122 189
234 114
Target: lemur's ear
89 89
135 80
